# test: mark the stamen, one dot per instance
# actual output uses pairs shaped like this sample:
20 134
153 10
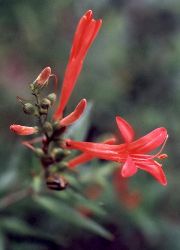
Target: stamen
149 157
162 156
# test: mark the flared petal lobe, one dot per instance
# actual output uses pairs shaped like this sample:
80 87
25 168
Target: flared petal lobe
125 128
23 130
129 168
85 34
149 142
155 169
75 115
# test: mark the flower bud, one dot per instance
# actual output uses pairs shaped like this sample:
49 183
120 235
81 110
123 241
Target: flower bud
52 98
23 130
57 154
45 103
48 127
63 165
43 77
56 182
39 152
28 109
67 152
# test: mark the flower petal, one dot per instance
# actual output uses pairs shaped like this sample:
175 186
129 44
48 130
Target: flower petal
79 34
89 36
80 159
129 168
155 170
71 74
85 34
75 115
85 157
125 128
100 150
149 142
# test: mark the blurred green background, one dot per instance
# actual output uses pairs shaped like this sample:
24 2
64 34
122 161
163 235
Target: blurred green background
131 70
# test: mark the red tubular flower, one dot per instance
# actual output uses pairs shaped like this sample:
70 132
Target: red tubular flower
85 34
23 130
43 77
133 154
85 157
75 115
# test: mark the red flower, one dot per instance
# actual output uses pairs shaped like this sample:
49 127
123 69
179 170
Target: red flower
23 130
43 77
85 34
133 154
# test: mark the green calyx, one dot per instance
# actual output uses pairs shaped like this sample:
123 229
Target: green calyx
28 108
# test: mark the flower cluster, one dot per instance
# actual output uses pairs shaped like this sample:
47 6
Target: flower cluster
54 150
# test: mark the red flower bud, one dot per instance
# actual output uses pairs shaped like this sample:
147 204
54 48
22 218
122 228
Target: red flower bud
23 130
43 77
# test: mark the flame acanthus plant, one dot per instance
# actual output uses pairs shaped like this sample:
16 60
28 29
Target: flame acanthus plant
54 149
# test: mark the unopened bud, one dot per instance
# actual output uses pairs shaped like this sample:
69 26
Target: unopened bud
67 152
23 130
63 165
58 154
43 77
56 182
52 98
39 152
28 109
45 103
48 127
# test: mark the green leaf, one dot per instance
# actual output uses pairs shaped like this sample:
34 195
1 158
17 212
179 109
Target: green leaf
147 224
80 200
2 240
67 214
99 173
9 175
171 232
17 226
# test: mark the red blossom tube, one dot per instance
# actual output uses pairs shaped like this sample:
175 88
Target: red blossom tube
85 157
85 34
75 115
23 130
